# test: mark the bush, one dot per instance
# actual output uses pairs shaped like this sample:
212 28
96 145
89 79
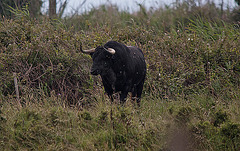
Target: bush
43 54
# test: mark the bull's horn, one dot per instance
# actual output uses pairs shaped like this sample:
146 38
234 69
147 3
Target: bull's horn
87 51
111 50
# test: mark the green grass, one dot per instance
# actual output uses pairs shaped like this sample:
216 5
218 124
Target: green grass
159 124
191 97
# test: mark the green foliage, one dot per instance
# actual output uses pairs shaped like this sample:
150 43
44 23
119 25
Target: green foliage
46 125
44 56
231 133
219 118
37 126
8 7
191 89
183 115
86 116
226 137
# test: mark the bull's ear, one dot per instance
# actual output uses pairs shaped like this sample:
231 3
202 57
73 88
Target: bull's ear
91 54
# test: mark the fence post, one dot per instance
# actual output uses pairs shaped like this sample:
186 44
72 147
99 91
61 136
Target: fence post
16 87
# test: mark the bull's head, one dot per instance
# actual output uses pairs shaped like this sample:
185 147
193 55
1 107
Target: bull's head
102 59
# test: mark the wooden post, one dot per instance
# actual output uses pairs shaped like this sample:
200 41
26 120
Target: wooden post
16 88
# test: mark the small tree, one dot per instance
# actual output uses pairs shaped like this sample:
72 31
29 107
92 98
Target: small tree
52 8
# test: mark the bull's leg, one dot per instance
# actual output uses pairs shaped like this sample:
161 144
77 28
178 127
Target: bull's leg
134 94
123 97
139 92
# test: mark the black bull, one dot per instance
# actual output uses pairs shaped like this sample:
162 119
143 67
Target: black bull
122 69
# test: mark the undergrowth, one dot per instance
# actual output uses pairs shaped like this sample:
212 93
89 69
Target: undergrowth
200 123
190 98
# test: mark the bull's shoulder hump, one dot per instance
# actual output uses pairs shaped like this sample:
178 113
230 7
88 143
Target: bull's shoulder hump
134 48
131 46
112 44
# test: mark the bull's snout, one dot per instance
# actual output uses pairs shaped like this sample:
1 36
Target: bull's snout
95 72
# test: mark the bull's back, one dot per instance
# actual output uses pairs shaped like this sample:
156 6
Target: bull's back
138 64
137 57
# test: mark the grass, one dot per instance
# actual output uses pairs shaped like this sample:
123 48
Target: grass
159 124
190 98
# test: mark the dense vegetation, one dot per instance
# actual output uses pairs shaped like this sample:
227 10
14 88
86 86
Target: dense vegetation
191 98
